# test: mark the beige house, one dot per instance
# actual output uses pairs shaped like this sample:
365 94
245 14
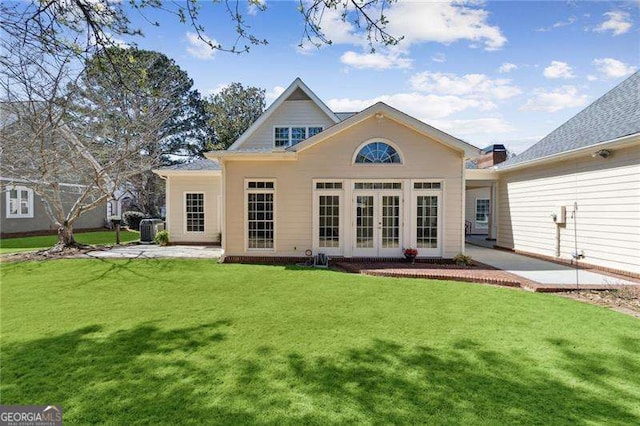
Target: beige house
305 180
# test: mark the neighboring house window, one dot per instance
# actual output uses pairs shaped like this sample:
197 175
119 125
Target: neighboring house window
377 152
284 137
194 209
482 213
260 197
19 202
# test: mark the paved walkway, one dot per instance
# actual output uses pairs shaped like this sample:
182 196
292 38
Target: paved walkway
544 274
152 251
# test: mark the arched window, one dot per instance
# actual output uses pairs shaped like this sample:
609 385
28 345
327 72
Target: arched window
377 152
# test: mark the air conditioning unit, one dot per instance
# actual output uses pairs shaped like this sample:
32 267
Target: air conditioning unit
149 228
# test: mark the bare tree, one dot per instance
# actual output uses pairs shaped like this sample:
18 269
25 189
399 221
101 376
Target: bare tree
73 142
87 26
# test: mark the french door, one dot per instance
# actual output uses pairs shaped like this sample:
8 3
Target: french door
377 224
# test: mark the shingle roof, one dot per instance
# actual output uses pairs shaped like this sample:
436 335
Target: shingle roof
344 115
196 165
614 115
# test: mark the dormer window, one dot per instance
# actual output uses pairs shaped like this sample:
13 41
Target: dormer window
286 136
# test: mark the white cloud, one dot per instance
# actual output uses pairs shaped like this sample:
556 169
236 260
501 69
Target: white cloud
219 88
613 68
477 127
378 60
471 85
559 24
421 106
507 67
591 77
256 6
617 22
442 22
273 94
555 100
439 57
200 49
558 69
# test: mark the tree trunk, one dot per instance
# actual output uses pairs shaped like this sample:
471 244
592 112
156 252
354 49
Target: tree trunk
65 235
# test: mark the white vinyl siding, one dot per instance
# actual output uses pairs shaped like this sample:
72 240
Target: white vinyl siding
608 216
289 114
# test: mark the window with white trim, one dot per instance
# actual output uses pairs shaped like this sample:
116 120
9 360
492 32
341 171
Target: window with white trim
19 200
260 223
194 211
482 213
286 136
328 221
378 153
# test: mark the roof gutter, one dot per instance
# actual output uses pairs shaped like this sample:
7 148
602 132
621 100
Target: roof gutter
612 143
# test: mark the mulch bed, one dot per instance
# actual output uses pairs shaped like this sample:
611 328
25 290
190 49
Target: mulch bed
476 273
625 300
49 254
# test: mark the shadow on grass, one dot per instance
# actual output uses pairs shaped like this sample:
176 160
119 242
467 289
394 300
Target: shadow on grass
189 375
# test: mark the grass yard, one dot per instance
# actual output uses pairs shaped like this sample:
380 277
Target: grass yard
194 342
15 245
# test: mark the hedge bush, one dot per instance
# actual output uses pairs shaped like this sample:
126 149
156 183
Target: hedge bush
132 219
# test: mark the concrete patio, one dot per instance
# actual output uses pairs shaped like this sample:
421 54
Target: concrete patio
541 275
152 251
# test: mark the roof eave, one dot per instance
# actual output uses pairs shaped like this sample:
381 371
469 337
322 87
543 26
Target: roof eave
612 143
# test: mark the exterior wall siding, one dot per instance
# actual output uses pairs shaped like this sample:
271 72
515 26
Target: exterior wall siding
470 207
423 159
294 113
607 192
177 186
95 218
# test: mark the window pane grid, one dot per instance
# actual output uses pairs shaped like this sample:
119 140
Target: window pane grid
364 221
377 185
194 208
298 134
260 221
378 152
390 221
329 221
427 222
482 211
426 185
281 136
19 200
328 185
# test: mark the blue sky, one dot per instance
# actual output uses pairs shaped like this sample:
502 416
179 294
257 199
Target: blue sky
487 72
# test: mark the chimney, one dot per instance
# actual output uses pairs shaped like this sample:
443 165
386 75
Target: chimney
491 156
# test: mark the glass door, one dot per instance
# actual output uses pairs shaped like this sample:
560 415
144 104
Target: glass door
378 227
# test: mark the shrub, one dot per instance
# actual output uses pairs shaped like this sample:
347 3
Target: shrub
133 219
162 238
463 260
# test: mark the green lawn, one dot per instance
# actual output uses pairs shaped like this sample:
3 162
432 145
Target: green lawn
15 245
188 341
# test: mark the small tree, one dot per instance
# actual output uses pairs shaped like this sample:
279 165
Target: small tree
232 111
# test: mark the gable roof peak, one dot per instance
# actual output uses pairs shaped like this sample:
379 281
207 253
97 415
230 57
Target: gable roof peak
297 84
